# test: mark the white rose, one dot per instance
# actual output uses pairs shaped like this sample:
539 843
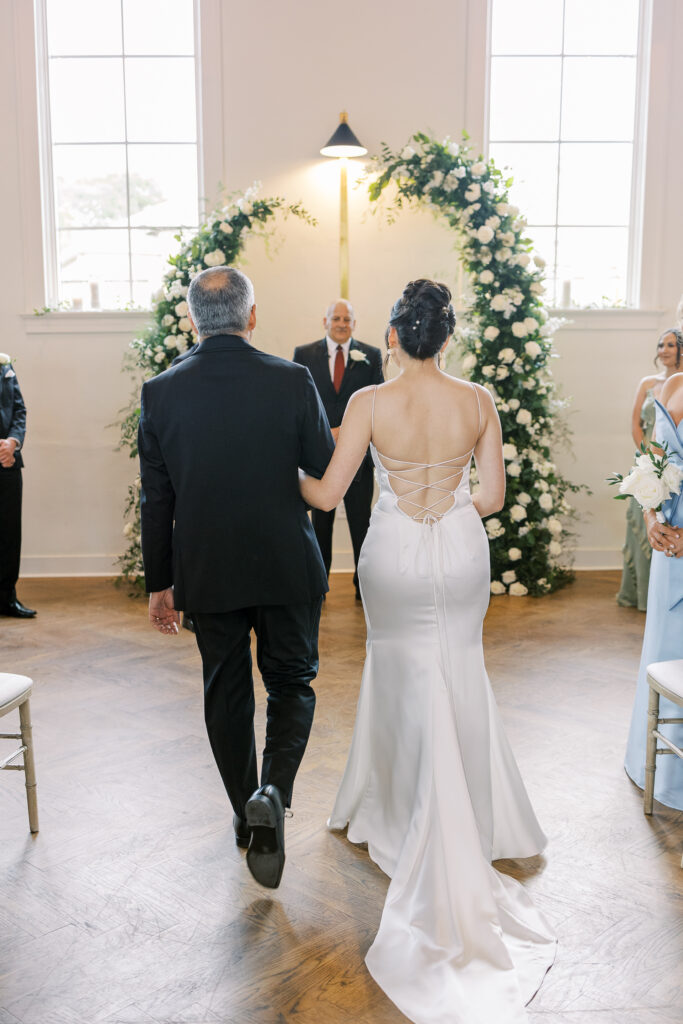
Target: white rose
555 548
506 238
491 333
488 371
167 320
513 211
493 222
509 451
502 209
536 288
514 469
523 417
459 172
489 187
545 501
487 276
531 324
4 359
672 478
502 373
215 258
357 355
246 207
523 259
648 489
499 303
533 349
453 148
159 357
469 362
407 152
507 355
478 169
509 577
493 525
514 404
517 513
554 525
170 341
225 227
497 587
437 180
484 234
128 529
524 498
184 324
519 329
541 485
539 261
523 530
518 590
514 554
473 193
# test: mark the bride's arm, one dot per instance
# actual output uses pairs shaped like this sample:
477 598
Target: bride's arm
488 456
354 437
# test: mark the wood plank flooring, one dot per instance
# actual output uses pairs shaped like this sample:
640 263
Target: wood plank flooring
133 905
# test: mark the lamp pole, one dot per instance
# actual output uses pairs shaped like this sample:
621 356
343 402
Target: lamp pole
342 145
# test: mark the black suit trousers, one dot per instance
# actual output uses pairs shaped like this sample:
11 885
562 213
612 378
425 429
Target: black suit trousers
357 502
287 657
10 532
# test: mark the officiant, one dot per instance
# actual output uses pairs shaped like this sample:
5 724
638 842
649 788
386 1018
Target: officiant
341 365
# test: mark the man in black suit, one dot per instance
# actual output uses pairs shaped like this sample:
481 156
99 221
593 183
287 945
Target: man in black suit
226 538
12 433
340 365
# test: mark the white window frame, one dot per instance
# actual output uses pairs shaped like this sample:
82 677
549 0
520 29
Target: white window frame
635 227
206 15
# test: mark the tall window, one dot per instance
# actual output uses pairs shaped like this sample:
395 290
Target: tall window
565 116
118 145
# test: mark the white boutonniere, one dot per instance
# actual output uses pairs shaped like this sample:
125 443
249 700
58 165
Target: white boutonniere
4 359
358 356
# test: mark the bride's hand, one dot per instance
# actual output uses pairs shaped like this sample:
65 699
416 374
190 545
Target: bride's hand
663 537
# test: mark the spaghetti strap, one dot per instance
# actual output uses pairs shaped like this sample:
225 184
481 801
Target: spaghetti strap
372 424
474 387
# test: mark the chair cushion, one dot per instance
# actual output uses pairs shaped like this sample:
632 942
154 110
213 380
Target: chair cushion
668 674
12 686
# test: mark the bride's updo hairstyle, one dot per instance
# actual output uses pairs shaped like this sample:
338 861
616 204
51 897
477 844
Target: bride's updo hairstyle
423 317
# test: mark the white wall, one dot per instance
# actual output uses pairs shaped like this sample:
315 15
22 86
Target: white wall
275 78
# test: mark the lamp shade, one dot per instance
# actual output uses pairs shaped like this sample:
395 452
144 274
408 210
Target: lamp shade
343 142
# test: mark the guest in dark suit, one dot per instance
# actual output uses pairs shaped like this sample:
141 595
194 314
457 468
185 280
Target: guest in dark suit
226 537
12 433
340 365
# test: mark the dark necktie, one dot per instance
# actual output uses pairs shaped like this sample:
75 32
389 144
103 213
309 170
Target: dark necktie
338 368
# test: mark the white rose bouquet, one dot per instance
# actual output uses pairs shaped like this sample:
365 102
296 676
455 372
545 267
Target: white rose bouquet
651 481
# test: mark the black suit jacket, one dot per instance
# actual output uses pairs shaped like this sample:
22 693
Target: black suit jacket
12 410
222 435
358 374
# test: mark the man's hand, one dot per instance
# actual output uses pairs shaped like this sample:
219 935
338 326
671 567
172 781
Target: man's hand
7 447
162 613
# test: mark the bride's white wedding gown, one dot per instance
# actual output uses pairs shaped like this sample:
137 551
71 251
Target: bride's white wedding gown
431 783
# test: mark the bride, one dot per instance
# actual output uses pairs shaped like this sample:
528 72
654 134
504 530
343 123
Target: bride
431 783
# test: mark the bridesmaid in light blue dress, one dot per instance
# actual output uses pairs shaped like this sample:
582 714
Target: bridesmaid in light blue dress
663 640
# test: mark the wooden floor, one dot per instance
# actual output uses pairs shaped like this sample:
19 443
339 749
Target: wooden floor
133 904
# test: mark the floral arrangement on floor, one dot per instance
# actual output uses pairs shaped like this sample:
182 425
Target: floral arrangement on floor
219 241
506 346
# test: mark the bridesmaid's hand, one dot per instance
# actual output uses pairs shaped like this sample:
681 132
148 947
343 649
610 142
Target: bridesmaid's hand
661 536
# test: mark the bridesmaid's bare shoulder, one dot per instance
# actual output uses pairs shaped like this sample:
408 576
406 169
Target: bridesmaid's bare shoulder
671 387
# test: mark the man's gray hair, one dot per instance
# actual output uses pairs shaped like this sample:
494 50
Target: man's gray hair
220 301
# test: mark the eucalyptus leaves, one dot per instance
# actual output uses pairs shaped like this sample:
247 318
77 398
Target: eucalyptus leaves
219 241
506 346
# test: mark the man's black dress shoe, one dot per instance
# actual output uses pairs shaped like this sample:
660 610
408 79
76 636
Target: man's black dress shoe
266 853
16 610
242 831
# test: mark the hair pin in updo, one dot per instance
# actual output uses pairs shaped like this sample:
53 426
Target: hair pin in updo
415 325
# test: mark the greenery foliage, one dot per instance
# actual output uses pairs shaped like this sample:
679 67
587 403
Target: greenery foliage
218 242
506 346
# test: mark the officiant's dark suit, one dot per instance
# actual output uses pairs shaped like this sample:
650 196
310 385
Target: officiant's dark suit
222 434
360 370
12 434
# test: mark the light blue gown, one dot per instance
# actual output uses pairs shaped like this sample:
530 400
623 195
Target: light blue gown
663 640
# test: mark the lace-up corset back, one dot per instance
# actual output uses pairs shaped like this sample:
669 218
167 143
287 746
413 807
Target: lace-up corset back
424 491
